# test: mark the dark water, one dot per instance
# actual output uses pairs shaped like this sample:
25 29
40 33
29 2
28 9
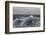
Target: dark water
20 21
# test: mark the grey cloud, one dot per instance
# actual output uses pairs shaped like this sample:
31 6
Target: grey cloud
26 10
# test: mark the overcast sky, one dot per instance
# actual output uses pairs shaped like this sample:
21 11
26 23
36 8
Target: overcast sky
26 10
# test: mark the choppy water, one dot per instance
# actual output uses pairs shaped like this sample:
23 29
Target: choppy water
26 21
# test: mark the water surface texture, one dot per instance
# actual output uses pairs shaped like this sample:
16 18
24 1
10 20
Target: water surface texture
26 17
